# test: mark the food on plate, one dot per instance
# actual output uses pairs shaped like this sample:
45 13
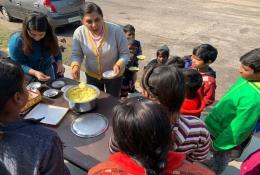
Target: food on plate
133 68
141 57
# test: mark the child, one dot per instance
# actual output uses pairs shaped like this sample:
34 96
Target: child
251 166
162 55
3 54
176 61
187 61
25 146
202 57
143 132
193 103
130 35
129 77
233 119
165 84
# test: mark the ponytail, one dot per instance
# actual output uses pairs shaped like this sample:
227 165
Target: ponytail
165 84
142 130
157 163
145 81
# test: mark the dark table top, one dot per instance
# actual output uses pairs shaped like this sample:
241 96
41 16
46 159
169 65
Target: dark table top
84 152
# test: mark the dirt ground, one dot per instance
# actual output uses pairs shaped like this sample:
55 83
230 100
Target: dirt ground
231 26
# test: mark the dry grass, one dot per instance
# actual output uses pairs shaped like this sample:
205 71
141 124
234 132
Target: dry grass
4 35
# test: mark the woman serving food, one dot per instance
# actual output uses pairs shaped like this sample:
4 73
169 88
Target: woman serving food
104 47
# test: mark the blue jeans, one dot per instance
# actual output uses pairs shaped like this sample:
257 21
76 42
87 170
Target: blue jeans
50 72
220 159
218 162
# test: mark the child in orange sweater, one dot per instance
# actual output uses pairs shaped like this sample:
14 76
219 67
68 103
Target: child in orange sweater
193 103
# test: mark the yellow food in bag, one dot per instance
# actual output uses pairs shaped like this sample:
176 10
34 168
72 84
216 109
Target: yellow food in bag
80 95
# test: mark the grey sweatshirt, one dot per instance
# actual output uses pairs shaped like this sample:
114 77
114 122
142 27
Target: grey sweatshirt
114 49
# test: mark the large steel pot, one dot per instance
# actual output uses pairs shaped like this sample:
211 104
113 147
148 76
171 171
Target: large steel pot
83 106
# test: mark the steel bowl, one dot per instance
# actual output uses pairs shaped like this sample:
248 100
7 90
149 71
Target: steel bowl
82 106
34 86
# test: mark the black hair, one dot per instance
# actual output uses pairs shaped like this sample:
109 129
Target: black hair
206 52
252 60
176 61
90 7
129 28
193 80
164 50
39 22
131 42
11 78
166 84
142 130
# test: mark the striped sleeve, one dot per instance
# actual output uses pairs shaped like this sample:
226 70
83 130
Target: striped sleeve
192 138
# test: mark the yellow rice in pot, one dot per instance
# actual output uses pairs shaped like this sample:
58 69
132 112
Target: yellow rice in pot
79 94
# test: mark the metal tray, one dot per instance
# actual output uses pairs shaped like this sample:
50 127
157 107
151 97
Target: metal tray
109 74
51 93
89 125
58 84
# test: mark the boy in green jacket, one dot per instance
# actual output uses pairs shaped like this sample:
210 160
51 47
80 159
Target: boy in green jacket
233 119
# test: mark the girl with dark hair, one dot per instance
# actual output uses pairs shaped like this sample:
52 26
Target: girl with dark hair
104 46
25 146
36 48
143 132
165 84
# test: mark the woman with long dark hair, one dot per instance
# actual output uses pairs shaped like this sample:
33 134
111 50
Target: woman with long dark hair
104 47
36 48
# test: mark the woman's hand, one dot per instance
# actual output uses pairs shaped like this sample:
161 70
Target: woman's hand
75 73
41 76
60 68
116 70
